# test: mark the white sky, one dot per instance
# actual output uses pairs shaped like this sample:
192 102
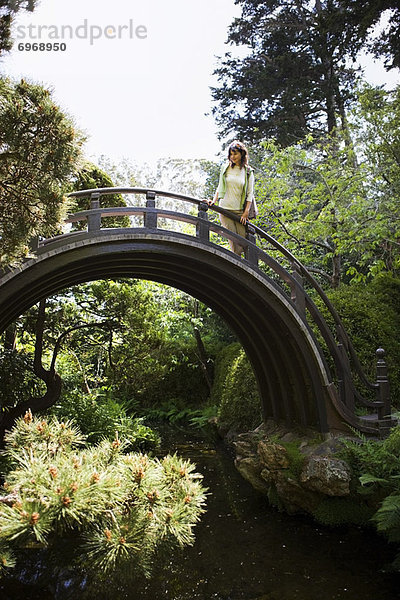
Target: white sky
141 99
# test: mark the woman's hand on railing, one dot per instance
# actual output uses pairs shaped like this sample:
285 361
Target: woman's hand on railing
245 216
210 202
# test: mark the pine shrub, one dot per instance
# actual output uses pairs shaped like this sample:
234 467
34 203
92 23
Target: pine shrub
121 507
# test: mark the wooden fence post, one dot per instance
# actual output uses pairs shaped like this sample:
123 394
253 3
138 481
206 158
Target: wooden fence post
94 221
203 226
251 253
150 217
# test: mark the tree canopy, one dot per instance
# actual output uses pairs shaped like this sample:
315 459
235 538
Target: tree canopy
40 149
334 205
299 74
365 15
89 177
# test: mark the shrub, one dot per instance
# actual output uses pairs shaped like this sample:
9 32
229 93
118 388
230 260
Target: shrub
222 365
98 417
181 380
235 390
121 508
371 316
378 458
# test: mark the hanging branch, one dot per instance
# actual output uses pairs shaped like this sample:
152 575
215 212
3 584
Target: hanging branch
202 356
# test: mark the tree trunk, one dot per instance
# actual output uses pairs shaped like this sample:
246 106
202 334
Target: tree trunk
204 361
35 405
52 380
329 75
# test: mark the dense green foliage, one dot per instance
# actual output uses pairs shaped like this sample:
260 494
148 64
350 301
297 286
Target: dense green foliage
299 72
371 316
91 177
123 347
40 150
376 464
17 380
334 203
98 416
235 390
379 459
120 507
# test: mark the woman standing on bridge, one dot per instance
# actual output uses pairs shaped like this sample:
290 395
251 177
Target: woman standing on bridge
235 191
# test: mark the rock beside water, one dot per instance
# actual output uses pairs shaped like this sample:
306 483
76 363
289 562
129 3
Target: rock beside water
326 475
298 470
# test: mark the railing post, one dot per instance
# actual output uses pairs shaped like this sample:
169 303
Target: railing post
150 217
94 221
383 391
251 252
33 244
203 226
346 391
297 291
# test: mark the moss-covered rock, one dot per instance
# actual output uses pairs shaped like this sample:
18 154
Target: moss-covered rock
299 472
326 475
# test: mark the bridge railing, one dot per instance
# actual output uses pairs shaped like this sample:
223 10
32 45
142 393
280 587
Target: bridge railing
338 343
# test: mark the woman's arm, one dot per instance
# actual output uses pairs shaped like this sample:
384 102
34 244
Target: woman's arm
250 187
249 197
220 186
214 200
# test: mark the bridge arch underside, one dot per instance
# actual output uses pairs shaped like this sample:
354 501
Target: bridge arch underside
290 373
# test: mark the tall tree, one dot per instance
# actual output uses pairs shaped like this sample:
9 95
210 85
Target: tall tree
40 149
296 78
340 215
377 134
364 15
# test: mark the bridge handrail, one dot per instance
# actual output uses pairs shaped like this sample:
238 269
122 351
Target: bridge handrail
303 271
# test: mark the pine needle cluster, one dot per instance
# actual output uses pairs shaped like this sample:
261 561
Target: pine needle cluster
121 507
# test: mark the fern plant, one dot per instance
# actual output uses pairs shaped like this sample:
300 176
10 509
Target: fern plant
377 463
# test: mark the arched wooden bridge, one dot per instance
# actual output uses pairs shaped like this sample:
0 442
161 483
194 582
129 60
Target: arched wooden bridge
302 367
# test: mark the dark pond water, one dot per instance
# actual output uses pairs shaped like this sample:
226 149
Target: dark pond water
244 550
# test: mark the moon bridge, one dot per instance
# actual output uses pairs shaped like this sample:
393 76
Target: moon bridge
305 369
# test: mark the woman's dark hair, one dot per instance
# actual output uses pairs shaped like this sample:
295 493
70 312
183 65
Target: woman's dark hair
236 145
